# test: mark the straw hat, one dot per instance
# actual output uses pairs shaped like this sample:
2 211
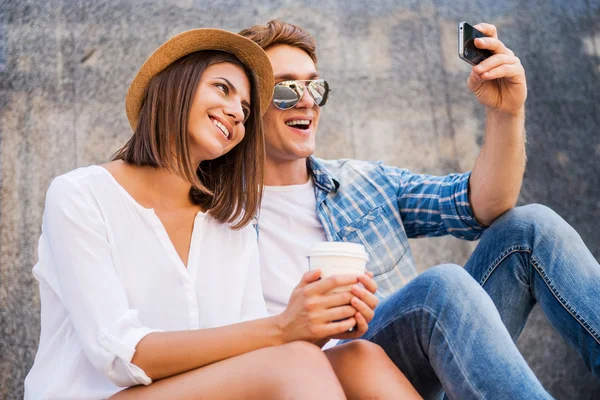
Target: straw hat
248 52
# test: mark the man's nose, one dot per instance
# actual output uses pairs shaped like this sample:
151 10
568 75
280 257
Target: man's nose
306 101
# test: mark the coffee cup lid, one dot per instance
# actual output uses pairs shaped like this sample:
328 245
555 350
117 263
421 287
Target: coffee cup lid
339 249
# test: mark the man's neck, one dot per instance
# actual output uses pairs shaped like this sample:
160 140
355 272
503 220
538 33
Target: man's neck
285 173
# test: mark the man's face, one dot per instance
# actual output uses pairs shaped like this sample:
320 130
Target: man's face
285 138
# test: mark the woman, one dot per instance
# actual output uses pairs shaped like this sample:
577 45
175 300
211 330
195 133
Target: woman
148 265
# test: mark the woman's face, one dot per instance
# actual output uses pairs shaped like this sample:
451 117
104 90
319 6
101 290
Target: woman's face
219 110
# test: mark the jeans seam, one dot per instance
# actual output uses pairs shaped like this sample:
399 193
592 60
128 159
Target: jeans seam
461 368
437 324
502 257
541 270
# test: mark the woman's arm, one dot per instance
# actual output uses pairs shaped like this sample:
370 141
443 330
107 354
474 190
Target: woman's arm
309 316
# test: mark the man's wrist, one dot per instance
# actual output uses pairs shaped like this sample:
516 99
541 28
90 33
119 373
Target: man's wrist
501 114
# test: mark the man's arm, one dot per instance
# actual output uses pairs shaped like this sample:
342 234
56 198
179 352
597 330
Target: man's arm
499 84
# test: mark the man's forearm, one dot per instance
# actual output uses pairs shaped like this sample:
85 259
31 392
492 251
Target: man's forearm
498 172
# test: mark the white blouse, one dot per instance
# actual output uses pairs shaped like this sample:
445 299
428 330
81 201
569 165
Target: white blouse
109 275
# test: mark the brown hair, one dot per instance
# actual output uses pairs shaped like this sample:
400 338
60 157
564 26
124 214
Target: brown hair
230 186
279 32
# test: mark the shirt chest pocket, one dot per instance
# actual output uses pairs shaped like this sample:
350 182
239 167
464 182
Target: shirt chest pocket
382 236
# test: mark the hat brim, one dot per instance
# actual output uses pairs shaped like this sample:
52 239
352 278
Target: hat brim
248 52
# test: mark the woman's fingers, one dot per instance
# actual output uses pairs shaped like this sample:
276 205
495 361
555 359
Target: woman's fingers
325 285
337 313
368 282
366 296
367 312
337 329
309 277
362 326
335 299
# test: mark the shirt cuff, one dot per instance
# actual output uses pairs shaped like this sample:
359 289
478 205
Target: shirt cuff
120 341
456 209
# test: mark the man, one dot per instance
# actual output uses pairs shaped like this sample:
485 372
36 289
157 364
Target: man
435 327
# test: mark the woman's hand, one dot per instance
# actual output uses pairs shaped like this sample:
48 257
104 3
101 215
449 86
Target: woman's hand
314 314
365 302
312 311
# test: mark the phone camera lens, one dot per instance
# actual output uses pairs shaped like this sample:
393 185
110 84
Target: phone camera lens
466 52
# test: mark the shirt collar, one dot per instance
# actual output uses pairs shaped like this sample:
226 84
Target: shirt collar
324 178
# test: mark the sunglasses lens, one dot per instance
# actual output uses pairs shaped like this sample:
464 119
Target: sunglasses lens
319 90
285 95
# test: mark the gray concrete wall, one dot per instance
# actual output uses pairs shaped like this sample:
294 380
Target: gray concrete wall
399 95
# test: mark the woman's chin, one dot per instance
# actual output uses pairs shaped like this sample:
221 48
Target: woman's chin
211 153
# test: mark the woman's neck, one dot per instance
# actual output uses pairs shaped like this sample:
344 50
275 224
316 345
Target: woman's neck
152 187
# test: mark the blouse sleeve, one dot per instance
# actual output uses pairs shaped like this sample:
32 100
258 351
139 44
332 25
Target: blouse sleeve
80 257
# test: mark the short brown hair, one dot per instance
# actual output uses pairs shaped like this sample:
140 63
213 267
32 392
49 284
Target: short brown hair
230 186
279 32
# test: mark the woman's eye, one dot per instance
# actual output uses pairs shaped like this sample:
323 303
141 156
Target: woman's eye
223 87
246 113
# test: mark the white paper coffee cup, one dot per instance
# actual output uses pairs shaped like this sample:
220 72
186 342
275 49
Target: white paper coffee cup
338 258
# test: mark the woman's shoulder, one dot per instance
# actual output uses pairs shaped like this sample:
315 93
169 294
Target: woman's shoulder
77 184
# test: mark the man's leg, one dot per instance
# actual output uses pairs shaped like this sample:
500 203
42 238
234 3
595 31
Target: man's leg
529 255
443 327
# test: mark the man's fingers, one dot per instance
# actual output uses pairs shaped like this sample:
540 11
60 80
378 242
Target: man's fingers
494 61
487 29
363 309
368 282
363 294
503 71
494 45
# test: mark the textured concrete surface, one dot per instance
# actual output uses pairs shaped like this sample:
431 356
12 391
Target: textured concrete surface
399 95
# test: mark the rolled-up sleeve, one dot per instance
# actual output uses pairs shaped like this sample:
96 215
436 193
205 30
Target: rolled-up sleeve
89 287
435 205
455 208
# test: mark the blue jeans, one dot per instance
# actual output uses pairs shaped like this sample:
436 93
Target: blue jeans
444 330
531 255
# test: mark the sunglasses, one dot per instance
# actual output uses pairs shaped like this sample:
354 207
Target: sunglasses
287 94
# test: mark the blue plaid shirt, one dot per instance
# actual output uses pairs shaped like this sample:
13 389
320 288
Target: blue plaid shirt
381 207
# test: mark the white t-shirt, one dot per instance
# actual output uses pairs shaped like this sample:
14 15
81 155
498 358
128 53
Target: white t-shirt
288 227
109 275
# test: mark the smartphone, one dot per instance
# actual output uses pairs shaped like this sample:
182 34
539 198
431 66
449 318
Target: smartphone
466 44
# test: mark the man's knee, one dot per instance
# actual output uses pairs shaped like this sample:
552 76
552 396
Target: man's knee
448 278
531 217
450 285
